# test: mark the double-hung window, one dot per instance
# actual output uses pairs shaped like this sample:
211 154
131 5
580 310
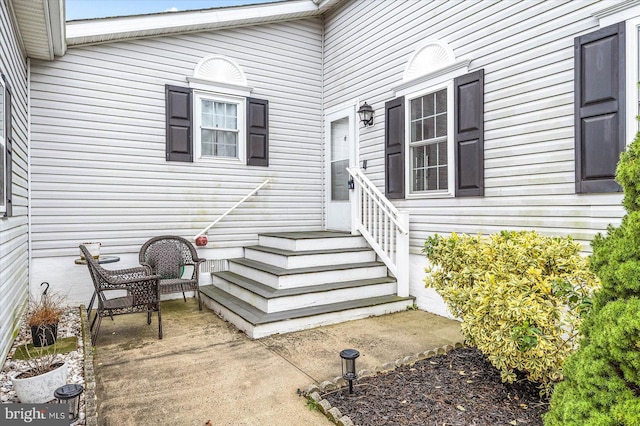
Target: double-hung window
218 122
429 142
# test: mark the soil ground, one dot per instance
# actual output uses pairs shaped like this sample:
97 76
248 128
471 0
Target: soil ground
458 388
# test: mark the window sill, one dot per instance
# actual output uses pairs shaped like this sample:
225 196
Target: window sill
429 195
220 160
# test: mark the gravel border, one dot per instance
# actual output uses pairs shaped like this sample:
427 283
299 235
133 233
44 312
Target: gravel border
75 322
313 393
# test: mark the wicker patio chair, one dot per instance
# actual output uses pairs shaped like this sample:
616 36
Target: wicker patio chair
138 284
168 256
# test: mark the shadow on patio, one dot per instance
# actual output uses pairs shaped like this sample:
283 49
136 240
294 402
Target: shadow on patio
204 369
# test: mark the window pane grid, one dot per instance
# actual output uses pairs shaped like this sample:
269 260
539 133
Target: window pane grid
219 129
429 117
428 142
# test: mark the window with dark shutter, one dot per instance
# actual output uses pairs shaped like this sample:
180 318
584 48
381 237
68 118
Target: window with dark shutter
257 132
394 148
7 149
469 134
599 108
179 119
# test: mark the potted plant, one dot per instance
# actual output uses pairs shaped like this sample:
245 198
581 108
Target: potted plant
43 316
45 373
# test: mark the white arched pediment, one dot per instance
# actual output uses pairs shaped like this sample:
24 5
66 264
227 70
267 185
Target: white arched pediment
432 56
219 69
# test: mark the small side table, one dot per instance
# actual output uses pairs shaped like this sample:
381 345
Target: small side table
101 260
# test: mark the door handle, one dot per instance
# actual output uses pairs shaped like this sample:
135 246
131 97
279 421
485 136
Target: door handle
350 183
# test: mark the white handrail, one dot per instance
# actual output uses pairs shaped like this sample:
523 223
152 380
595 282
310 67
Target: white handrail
379 198
384 227
245 198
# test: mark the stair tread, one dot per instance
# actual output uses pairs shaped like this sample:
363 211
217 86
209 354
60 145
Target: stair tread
276 270
255 316
285 252
309 235
269 292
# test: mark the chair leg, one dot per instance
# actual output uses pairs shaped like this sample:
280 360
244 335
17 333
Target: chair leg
93 299
159 322
199 299
149 315
184 296
94 335
94 320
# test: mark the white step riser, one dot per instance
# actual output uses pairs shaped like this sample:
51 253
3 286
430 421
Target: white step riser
256 332
287 303
309 261
311 278
312 243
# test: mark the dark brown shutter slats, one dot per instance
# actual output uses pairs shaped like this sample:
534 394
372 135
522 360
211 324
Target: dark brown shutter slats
179 119
599 108
9 151
469 134
394 148
257 132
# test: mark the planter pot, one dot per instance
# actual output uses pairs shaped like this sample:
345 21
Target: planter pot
40 389
44 335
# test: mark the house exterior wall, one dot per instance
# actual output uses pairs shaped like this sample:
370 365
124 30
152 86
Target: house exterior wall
526 51
98 148
14 271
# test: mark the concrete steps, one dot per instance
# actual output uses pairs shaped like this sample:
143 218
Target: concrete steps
295 281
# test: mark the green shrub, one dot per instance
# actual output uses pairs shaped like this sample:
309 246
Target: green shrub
602 379
520 296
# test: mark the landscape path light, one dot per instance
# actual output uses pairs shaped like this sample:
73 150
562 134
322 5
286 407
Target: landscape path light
349 366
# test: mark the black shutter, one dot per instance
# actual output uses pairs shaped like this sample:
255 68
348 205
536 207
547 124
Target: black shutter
257 132
9 151
599 108
394 148
469 134
179 119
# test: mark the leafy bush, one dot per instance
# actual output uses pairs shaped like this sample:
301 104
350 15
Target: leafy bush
520 296
602 379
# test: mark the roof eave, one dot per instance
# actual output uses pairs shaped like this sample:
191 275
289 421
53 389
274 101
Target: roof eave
131 27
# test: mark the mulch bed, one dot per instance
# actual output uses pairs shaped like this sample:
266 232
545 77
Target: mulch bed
458 388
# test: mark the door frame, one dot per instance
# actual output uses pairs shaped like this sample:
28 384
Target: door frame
346 109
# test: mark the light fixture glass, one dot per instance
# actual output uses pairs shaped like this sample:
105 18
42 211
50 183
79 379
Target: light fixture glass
366 114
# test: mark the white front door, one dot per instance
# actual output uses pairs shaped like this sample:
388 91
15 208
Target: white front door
340 148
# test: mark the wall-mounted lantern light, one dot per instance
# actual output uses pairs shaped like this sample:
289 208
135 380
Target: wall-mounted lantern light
349 366
366 114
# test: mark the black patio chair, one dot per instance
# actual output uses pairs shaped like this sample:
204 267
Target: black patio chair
168 256
140 288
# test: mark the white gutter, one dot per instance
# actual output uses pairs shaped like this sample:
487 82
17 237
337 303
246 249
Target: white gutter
90 31
108 29
55 10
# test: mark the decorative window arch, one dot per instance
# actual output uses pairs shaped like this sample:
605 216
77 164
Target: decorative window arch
218 69
434 55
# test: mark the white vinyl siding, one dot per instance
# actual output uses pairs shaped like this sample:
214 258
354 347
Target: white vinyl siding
14 275
98 142
526 51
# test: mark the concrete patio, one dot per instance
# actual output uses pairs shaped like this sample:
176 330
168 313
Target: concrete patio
205 370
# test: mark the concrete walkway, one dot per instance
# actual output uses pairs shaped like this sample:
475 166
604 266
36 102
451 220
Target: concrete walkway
205 370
